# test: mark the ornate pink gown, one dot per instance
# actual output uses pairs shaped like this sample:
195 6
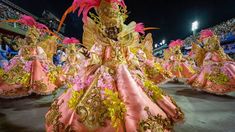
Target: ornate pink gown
112 96
29 72
179 67
216 76
153 69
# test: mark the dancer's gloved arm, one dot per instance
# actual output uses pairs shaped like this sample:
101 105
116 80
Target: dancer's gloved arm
41 54
96 54
208 58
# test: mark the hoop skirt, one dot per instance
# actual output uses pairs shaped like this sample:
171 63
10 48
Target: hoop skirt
26 73
215 76
179 68
157 73
110 97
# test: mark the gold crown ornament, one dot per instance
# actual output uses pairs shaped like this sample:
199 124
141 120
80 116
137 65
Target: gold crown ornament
212 43
33 34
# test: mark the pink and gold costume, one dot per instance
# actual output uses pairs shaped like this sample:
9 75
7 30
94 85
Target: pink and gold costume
111 94
28 72
175 63
217 70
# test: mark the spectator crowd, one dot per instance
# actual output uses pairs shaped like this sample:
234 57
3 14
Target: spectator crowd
225 31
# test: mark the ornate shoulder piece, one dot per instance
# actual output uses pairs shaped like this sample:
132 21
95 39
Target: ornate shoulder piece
127 29
49 46
148 45
199 53
88 34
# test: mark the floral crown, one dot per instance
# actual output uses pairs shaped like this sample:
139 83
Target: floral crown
70 43
207 33
175 43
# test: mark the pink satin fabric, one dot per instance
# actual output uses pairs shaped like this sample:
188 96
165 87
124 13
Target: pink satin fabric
36 74
201 82
131 94
39 75
135 100
185 71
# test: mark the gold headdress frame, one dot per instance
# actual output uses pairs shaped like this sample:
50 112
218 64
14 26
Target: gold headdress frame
33 33
111 14
199 54
214 41
175 48
147 45
49 45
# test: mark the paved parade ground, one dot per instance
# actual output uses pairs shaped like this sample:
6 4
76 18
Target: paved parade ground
203 112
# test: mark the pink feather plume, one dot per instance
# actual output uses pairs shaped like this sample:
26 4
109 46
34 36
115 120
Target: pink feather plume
177 42
27 20
41 26
139 28
206 34
70 40
30 21
119 2
85 6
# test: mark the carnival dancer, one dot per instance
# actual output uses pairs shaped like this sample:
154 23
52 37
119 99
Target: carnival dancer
30 71
110 95
217 70
176 63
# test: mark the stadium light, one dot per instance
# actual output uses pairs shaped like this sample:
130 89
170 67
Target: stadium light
155 45
195 26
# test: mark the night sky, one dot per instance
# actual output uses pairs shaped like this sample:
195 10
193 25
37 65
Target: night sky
174 17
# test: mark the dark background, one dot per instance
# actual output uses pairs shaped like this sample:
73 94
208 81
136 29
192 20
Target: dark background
174 17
